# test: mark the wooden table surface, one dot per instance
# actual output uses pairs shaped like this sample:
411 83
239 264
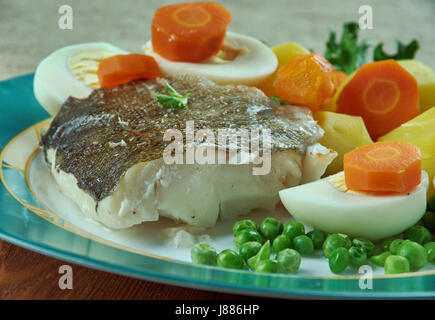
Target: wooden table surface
25 274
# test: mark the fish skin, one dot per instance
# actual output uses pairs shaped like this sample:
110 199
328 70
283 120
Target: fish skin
97 139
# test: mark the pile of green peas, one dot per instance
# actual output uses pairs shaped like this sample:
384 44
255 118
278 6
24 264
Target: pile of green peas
269 247
277 248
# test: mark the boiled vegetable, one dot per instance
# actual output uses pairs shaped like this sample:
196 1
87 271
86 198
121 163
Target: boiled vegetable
383 167
420 132
306 80
284 52
190 31
383 93
120 69
425 77
343 133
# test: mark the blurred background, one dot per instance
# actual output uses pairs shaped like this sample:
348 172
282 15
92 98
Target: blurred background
29 29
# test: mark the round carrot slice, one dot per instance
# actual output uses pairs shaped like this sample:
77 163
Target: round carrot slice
391 166
383 93
306 80
191 31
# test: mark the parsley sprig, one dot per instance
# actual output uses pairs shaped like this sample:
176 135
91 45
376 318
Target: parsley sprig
174 99
347 55
404 51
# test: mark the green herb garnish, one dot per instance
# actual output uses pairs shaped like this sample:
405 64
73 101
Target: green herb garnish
347 55
403 51
280 101
173 100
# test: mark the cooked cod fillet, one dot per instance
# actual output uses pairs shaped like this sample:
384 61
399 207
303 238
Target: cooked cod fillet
105 153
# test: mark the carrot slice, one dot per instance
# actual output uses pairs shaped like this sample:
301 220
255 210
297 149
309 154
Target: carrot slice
120 69
306 80
391 166
191 31
383 93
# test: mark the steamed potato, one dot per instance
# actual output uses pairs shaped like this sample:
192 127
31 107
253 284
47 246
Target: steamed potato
425 77
343 133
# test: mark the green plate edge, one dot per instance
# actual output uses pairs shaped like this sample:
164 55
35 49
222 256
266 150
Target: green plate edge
19 110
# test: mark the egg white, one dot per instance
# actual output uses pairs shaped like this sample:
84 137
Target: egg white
250 68
54 81
329 206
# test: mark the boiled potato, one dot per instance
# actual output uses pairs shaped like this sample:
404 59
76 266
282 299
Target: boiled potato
425 77
343 133
419 131
284 52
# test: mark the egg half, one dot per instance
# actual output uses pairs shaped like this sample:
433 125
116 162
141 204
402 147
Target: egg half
242 60
328 205
70 71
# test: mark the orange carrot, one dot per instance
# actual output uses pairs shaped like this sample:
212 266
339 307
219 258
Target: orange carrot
390 166
120 69
191 31
306 80
383 93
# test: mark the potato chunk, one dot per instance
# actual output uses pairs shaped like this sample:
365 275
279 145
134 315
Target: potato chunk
425 77
343 133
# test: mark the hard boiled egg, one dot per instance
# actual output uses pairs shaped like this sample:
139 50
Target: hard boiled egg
328 205
70 71
242 60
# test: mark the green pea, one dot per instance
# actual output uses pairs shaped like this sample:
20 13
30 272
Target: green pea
396 264
366 245
281 242
269 266
430 249
357 257
243 225
339 260
203 253
270 228
418 234
318 237
290 260
386 244
379 260
348 240
414 252
230 259
249 249
263 254
334 241
429 220
303 245
294 229
395 245
245 236
431 203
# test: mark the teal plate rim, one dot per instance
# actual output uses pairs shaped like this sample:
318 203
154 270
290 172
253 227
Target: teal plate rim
18 225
